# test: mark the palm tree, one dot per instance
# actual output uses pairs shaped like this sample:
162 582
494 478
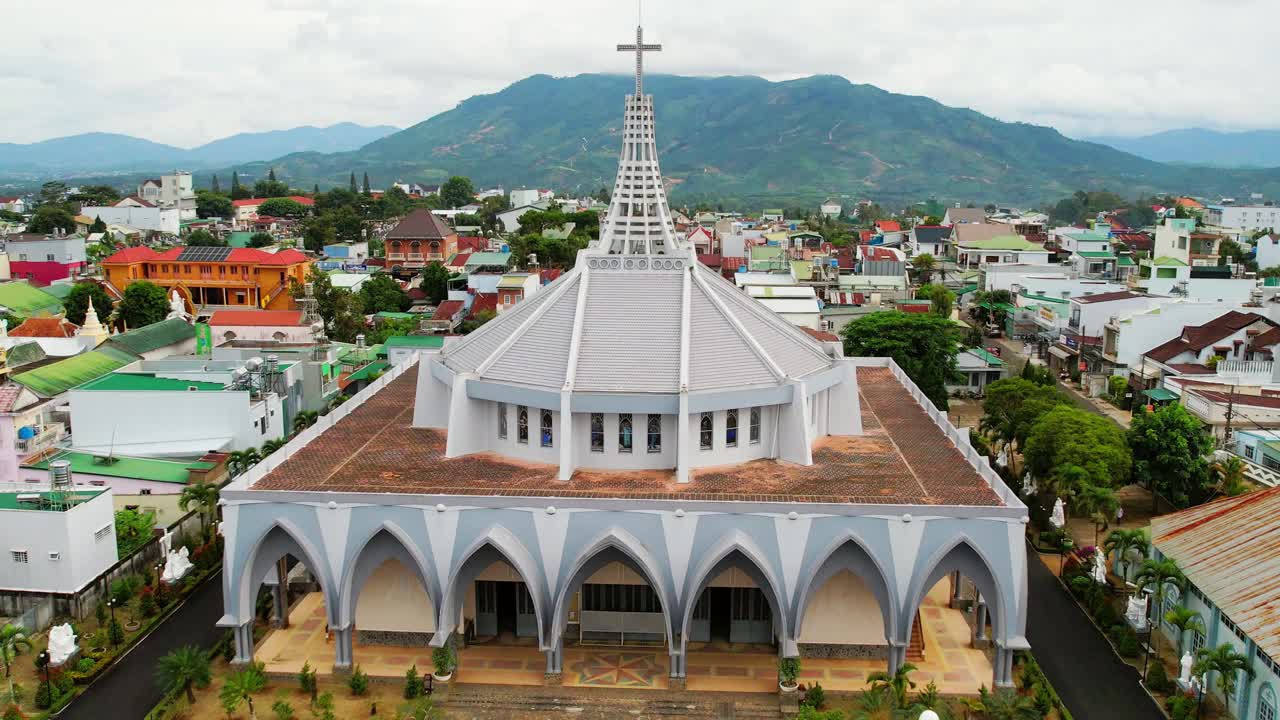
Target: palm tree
241 460
1099 503
924 264
1230 474
1225 661
13 639
1185 620
271 446
184 668
896 685
304 420
1007 705
1122 542
1159 575
240 687
204 497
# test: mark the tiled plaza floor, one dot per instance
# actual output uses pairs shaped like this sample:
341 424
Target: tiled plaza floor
950 662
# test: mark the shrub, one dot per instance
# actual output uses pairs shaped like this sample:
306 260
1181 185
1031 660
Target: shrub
123 589
307 679
64 683
1043 700
1181 707
283 710
412 683
808 712
323 707
115 633
12 713
359 682
788 670
1127 642
44 696
147 603
85 665
1106 616
100 613
1158 678
815 696
442 658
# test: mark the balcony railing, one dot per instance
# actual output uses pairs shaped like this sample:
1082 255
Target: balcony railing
46 438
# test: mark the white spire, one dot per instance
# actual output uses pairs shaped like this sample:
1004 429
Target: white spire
92 326
639 221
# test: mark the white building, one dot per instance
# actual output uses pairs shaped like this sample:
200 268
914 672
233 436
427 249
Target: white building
1267 250
830 208
530 196
797 304
1244 217
52 547
510 219
141 214
287 326
171 191
1127 336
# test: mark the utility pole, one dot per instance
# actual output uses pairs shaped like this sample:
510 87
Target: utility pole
1231 402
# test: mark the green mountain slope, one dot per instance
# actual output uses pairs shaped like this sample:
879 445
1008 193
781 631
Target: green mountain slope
746 139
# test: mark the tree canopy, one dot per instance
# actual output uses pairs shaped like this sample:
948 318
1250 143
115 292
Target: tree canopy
457 191
1069 449
1012 406
144 303
1169 454
204 238
923 345
77 302
381 293
51 218
212 204
282 208
435 282
261 240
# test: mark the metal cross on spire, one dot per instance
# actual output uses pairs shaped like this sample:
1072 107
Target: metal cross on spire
640 49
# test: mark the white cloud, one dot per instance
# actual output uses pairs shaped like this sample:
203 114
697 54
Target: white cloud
185 73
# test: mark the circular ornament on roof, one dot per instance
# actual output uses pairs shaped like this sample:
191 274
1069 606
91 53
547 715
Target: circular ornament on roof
593 263
615 264
642 264
630 264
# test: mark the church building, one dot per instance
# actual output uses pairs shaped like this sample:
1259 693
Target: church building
637 456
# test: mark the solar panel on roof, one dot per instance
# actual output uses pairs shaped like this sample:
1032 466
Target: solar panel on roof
204 254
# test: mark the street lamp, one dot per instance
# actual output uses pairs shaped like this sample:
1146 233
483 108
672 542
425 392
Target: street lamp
929 715
43 660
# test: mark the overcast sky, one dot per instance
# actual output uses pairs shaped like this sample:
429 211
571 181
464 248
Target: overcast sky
185 73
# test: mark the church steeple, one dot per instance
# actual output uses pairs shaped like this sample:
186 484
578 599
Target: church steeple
639 221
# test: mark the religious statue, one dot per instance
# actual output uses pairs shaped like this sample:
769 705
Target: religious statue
1136 611
1184 678
1003 458
176 566
1059 517
166 543
4 327
1028 485
1099 568
62 644
177 308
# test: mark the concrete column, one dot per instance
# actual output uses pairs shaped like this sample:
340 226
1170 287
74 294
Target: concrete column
342 652
1002 668
280 595
243 638
955 589
980 624
555 664
897 655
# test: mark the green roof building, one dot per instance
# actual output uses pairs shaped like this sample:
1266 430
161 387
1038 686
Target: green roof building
23 299
170 335
56 378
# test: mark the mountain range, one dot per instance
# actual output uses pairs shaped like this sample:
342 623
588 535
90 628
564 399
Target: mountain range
96 153
1197 146
746 140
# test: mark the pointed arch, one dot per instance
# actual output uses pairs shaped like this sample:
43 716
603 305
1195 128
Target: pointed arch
596 555
848 551
387 541
498 543
734 550
960 553
281 538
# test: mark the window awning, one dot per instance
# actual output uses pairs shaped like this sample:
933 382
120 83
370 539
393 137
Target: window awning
1160 394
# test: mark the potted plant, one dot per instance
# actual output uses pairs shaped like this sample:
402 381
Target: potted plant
788 671
443 659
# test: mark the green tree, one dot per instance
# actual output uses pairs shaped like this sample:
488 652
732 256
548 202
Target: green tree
1227 663
98 226
51 218
354 189
184 668
339 309
53 192
241 460
1012 406
204 238
260 240
144 303
271 446
238 191
924 264
213 204
317 232
214 186
394 202
1230 477
1159 576
897 685
1099 504
1123 544
435 282
304 420
941 300
365 187
457 191
1069 450
381 293
133 530
282 207
13 640
1185 620
95 195
1007 704
348 227
476 321
240 687
203 497
1169 454
77 302
270 188
924 346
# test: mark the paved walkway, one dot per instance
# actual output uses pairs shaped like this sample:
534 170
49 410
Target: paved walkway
128 690
1077 659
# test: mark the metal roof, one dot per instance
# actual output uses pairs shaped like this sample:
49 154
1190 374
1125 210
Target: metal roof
1230 550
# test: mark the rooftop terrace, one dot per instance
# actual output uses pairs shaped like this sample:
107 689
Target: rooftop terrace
903 458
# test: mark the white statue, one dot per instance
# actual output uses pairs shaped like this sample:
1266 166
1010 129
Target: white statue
1028 485
62 644
1185 676
166 543
1059 517
1003 458
176 566
4 327
1099 568
177 309
1136 611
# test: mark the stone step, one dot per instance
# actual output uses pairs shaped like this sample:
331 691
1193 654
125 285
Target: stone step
590 703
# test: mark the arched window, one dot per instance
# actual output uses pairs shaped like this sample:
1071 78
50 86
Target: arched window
755 426
655 433
597 432
547 439
731 428
624 433
522 424
502 421
705 431
278 336
1267 704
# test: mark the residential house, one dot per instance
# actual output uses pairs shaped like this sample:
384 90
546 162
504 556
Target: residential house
771 215
1080 344
932 240
1127 336
286 326
965 216
246 210
210 278
448 316
138 213
797 305
1212 544
996 250
319 368
420 238
55 543
1177 238
13 203
880 261
887 226
703 241
348 253
1229 336
43 259
21 298
171 191
401 349
510 219
530 196
1266 250
1250 218
977 369
830 208
515 287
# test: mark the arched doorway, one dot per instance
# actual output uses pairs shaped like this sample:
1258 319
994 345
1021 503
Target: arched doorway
846 610
286 589
388 596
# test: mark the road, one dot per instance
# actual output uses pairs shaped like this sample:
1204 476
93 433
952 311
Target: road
1077 659
128 691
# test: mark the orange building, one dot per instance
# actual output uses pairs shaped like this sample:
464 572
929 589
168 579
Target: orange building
418 239
213 276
